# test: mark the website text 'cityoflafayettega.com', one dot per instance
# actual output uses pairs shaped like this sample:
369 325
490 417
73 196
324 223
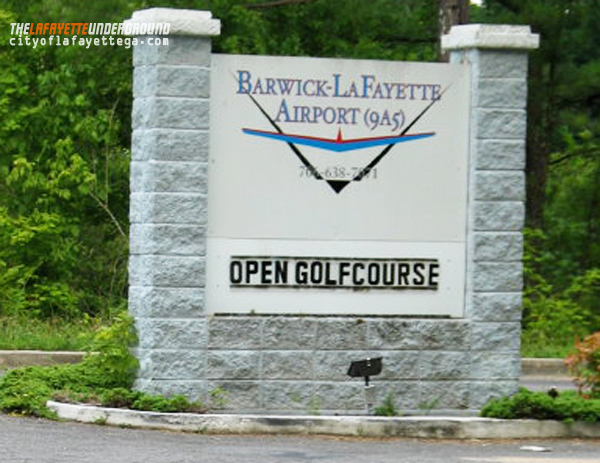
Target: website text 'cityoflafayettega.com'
86 34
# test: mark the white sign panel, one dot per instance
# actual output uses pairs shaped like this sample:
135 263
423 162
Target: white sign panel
337 186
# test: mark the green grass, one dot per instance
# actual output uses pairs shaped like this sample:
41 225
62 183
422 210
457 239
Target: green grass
47 335
104 378
545 351
534 345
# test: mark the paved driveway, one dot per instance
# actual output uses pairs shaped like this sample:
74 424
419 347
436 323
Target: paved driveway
25 440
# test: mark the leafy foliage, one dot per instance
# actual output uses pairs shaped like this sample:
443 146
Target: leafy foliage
137 400
562 297
554 315
584 365
109 365
568 406
176 403
63 173
104 377
379 29
110 356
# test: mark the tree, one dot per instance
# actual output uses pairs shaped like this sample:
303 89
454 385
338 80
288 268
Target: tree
63 169
453 12
378 29
561 82
563 163
66 130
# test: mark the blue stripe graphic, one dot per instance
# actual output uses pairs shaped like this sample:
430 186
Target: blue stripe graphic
337 146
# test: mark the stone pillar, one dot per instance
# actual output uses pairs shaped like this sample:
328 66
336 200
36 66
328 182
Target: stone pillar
169 199
497 56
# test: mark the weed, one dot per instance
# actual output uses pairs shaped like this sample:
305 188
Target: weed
101 421
296 397
387 407
314 406
218 397
428 406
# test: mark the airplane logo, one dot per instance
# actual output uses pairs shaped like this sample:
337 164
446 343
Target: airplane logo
339 144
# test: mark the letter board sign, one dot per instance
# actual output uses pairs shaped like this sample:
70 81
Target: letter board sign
337 187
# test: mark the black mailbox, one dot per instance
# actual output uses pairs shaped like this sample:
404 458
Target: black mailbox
365 368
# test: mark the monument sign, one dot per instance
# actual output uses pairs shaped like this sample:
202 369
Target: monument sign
290 216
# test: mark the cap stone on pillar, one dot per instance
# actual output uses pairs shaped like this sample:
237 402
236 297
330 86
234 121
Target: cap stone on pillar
490 36
182 22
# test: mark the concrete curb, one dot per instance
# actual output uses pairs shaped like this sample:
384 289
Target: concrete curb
543 367
20 358
361 426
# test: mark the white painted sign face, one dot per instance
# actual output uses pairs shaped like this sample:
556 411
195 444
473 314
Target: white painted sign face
337 187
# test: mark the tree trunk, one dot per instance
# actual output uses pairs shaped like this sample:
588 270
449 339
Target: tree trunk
452 12
542 124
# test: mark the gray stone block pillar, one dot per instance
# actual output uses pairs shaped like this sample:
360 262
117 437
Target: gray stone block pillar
497 57
169 199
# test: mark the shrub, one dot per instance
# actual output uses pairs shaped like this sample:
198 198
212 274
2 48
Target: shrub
176 403
103 378
117 398
26 390
584 365
554 315
111 365
109 360
567 406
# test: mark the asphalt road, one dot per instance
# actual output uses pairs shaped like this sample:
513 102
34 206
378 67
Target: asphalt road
24 440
